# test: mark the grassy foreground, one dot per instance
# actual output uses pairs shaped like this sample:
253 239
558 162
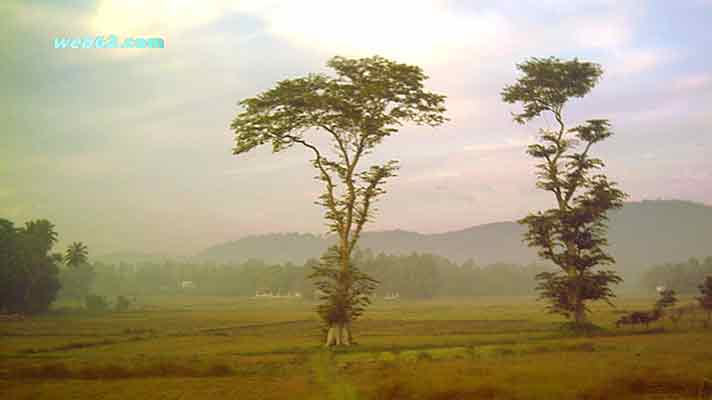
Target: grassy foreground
490 348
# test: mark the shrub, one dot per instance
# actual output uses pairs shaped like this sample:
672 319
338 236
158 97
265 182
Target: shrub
96 303
122 304
220 370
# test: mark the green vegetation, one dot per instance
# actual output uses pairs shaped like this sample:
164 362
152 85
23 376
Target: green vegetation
705 299
28 269
367 101
574 234
493 347
414 276
77 278
683 277
96 303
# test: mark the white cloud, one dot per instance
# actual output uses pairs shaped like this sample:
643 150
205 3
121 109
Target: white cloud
604 32
414 31
156 17
633 61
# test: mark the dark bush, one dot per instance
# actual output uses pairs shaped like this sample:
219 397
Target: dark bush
96 303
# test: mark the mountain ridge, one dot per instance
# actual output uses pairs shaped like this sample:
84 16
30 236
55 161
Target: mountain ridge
641 234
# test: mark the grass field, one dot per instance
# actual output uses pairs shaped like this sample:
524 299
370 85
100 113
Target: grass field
489 348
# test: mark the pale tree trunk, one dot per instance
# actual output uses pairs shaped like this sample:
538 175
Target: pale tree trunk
346 334
339 334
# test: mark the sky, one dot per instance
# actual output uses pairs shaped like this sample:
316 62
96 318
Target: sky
130 150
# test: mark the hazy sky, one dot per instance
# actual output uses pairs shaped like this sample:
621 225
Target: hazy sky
130 149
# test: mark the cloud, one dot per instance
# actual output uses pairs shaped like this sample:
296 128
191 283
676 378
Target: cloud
634 61
156 17
414 31
604 32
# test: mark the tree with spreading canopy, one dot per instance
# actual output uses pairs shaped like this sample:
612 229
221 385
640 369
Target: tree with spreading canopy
573 234
28 269
366 101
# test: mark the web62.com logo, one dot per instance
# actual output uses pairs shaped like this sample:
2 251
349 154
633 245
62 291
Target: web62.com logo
108 42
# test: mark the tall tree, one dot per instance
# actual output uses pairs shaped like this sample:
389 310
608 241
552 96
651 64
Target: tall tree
573 234
366 101
705 298
77 279
76 254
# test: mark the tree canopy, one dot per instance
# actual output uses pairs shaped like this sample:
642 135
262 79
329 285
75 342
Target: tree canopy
28 269
366 101
572 235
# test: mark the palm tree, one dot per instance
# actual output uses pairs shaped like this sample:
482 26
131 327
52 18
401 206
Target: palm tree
76 254
42 235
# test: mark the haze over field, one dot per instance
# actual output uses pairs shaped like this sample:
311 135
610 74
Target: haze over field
130 150
641 235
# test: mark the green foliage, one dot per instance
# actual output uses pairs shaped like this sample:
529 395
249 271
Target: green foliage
548 84
668 298
76 254
367 101
344 292
684 277
705 299
96 303
28 271
122 304
412 276
573 235
76 281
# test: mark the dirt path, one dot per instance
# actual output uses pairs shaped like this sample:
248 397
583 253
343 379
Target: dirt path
334 386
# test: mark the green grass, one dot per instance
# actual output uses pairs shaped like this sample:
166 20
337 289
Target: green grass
208 347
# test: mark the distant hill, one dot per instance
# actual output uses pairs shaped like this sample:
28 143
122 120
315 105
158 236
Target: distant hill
641 234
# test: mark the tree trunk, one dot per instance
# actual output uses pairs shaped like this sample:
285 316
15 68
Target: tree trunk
575 293
339 334
580 313
346 334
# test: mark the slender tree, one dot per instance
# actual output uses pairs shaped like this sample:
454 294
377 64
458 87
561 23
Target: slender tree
76 254
77 279
573 234
366 101
705 298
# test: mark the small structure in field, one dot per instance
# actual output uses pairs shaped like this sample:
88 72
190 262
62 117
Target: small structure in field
268 294
12 317
392 296
264 294
187 285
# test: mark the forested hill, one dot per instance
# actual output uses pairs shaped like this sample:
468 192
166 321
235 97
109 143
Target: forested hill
641 234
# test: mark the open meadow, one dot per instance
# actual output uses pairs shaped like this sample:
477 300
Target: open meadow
195 347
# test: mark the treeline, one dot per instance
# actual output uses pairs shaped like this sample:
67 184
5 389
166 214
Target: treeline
414 276
683 277
239 279
28 269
